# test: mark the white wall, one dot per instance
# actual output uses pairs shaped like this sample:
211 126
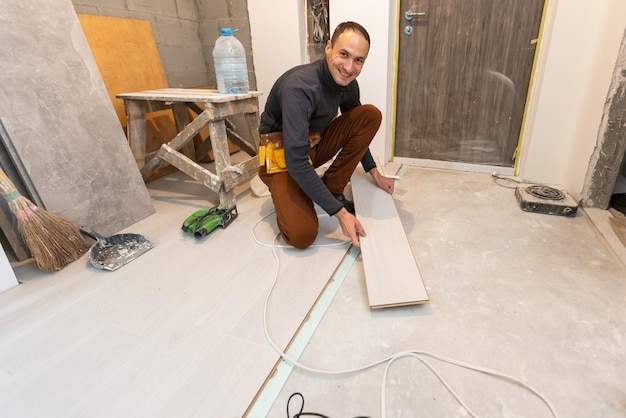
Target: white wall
376 79
610 35
7 276
277 40
577 58
578 50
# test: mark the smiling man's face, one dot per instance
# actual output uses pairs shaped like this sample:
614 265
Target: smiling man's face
346 58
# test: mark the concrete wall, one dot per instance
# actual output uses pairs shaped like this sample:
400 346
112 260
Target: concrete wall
216 14
184 30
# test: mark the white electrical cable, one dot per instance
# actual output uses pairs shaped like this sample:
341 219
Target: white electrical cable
383 388
389 360
274 245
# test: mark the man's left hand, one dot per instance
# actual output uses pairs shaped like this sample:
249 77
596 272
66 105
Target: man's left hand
385 183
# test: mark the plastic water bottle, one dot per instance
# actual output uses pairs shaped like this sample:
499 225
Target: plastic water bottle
231 69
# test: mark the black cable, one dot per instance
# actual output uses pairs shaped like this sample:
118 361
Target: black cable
300 413
304 414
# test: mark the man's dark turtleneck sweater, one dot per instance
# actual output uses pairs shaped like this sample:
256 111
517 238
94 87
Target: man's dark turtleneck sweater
305 100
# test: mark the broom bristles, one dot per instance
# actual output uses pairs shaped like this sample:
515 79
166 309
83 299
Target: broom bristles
53 241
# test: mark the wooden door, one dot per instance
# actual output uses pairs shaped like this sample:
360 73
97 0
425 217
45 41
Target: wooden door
463 73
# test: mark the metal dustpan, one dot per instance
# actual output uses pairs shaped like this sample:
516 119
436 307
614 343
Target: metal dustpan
111 253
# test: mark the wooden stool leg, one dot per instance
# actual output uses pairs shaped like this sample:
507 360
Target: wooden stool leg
221 154
136 116
177 143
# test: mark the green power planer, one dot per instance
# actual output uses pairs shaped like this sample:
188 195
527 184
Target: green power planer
204 221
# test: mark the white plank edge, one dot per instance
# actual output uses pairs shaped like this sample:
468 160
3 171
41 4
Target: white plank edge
391 273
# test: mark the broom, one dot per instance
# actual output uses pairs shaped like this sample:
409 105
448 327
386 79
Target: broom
52 241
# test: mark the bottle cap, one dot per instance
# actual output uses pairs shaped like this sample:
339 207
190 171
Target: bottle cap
228 31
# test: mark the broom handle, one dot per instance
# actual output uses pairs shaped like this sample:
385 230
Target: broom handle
18 204
6 185
90 232
19 166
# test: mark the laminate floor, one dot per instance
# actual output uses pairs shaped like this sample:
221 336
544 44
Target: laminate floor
179 331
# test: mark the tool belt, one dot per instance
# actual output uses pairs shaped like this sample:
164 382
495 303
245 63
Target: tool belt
272 152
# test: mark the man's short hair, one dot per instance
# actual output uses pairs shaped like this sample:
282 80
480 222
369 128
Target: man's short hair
349 26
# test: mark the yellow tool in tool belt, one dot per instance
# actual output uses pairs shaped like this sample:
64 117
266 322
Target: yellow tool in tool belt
274 158
272 153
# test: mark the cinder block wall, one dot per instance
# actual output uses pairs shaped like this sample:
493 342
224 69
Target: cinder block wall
185 32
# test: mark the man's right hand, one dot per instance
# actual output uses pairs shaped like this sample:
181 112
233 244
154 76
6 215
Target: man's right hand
350 226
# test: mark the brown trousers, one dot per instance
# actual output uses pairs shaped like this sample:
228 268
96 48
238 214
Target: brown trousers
349 135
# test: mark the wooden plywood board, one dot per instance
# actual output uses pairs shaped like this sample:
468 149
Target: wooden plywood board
128 59
126 54
391 273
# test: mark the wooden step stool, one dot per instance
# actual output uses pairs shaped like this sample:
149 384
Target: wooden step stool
217 107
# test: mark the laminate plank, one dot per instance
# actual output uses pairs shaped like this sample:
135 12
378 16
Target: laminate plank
302 277
391 273
20 312
220 384
60 363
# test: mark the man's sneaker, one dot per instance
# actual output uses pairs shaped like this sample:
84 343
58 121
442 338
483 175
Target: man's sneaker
348 204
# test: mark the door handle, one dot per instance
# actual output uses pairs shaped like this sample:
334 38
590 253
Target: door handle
410 14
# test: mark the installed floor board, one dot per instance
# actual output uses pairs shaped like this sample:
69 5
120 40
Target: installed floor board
183 322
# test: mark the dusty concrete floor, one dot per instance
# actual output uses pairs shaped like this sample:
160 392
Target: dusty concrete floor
537 297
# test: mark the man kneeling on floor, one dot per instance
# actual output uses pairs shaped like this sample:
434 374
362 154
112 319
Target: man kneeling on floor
300 131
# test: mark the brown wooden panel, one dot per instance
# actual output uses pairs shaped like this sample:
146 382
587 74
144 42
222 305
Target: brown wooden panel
128 59
463 78
126 54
